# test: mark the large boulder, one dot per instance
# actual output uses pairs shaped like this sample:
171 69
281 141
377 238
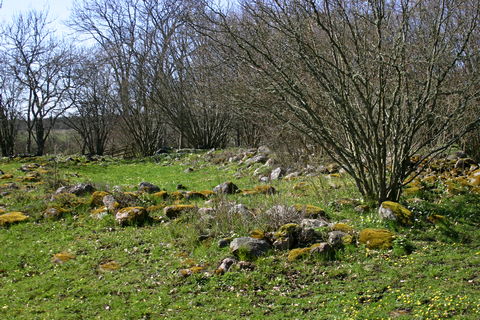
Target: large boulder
226 188
394 211
376 238
249 248
131 216
148 187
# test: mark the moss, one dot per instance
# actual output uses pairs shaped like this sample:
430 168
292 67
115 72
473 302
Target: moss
155 208
6 176
161 194
97 198
99 213
265 189
309 210
301 186
62 257
402 214
192 195
437 218
298 253
109 266
131 215
376 238
197 269
54 213
410 191
207 193
343 227
474 181
174 211
177 195
257 234
287 230
30 178
11 218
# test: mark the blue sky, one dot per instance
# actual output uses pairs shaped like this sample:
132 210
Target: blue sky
59 10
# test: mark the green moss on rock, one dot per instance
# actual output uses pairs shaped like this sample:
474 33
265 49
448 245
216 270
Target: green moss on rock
394 211
11 218
376 238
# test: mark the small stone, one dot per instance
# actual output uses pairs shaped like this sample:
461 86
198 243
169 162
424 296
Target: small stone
109 266
174 211
181 187
282 244
131 216
314 223
321 248
246 265
335 238
222 243
148 187
239 209
226 188
53 213
249 248
277 174
394 211
225 265
110 203
81 189
62 257
188 170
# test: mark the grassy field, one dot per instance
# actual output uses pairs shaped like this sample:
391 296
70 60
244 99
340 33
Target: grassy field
132 272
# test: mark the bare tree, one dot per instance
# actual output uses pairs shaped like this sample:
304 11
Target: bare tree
371 82
93 115
42 65
10 91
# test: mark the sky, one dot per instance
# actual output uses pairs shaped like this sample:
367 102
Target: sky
59 11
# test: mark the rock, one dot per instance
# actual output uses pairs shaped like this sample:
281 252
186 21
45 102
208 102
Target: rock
10 218
174 211
161 194
394 211
282 244
29 167
259 171
343 227
62 257
131 216
321 248
292 175
226 188
335 238
283 213
82 189
222 243
110 203
99 213
314 223
181 187
309 211
264 150
246 265
277 173
362 208
1 172
298 253
97 198
306 237
239 209
188 170
247 248
148 187
256 159
53 213
270 163
376 238
464 163
225 265
6 176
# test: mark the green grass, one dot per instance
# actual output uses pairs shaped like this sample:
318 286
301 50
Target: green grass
438 280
